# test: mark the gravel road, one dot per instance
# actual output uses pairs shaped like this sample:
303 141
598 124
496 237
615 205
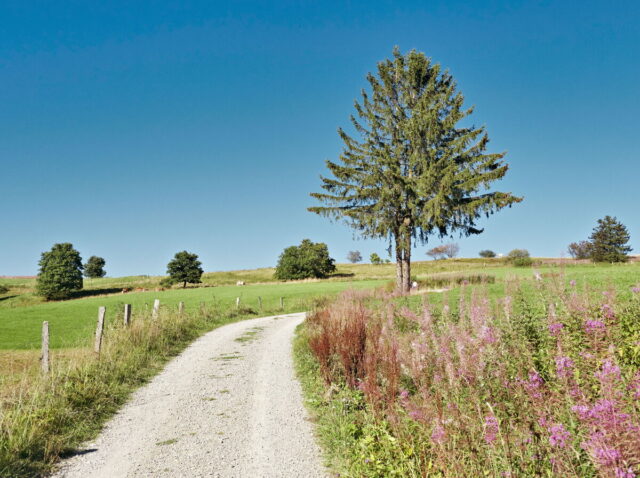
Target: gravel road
228 406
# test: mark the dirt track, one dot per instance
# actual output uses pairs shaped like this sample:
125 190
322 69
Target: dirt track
228 406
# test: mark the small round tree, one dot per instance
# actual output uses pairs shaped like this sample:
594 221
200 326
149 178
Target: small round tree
184 267
94 267
487 254
375 259
520 258
609 241
60 272
354 256
308 260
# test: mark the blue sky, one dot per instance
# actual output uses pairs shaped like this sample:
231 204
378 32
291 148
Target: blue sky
138 129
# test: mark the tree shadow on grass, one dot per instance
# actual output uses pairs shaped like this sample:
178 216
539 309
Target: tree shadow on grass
93 292
341 274
8 297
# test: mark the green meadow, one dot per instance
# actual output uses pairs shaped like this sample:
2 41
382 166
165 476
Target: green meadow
72 322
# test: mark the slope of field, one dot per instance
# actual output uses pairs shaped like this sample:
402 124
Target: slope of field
72 322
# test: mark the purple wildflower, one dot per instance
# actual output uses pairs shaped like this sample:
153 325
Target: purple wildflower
593 326
438 434
607 311
607 456
491 428
622 473
635 290
572 283
558 435
609 371
555 328
564 366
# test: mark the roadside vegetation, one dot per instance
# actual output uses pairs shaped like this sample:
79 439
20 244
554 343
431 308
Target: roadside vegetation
536 377
44 417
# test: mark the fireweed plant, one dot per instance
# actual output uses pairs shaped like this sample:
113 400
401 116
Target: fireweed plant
541 382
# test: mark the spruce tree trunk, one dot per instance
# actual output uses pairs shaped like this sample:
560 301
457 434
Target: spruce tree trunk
406 270
399 266
403 263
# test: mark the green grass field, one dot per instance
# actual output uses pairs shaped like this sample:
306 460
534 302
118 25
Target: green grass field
71 322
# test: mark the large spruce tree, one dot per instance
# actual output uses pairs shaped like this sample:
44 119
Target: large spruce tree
609 241
411 171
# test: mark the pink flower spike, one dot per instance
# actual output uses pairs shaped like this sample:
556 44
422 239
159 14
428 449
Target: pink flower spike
491 428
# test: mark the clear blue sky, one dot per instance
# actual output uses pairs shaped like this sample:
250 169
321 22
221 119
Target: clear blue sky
138 129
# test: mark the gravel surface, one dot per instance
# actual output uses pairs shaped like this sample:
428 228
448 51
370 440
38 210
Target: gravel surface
228 406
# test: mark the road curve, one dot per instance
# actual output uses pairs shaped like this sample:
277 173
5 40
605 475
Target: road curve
228 406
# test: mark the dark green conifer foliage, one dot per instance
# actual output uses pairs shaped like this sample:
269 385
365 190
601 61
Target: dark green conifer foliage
60 272
94 267
184 267
609 241
308 260
412 172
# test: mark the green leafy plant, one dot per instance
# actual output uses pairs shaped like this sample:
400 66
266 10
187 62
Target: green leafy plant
306 261
185 268
375 259
520 258
60 272
94 267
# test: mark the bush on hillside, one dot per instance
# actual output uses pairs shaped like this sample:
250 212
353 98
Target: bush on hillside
309 260
184 268
3 289
487 254
520 258
354 256
580 250
60 272
375 259
94 268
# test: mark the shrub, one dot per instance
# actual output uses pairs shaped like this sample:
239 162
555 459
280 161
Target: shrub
487 254
580 250
60 272
609 241
94 267
3 289
354 256
520 258
184 267
437 253
438 282
306 261
375 259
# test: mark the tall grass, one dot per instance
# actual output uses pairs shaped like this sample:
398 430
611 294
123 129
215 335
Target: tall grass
45 417
543 384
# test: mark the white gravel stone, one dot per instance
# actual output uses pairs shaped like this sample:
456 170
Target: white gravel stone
222 408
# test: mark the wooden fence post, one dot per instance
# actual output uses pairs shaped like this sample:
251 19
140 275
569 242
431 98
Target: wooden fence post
260 302
45 348
282 303
180 308
237 302
127 314
99 329
156 309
